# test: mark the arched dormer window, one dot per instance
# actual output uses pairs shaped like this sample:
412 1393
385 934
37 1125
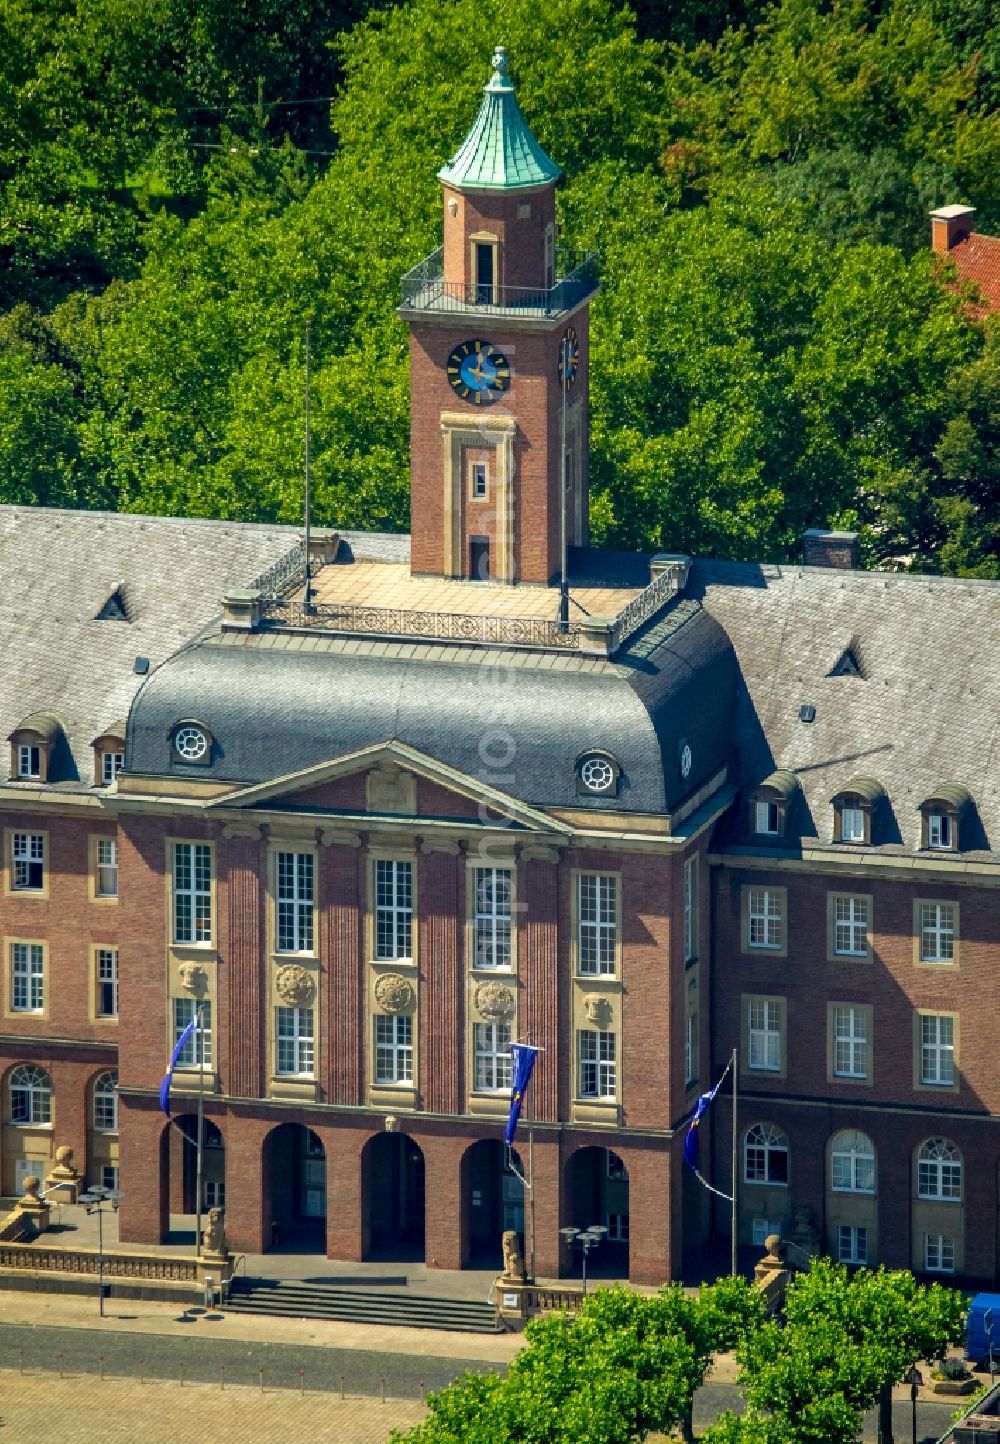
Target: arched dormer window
941 817
854 810
770 804
32 745
109 755
191 743
597 773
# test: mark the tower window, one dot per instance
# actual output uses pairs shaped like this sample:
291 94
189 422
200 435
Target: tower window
479 480
485 268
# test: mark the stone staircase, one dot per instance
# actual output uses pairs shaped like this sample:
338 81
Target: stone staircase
291 1300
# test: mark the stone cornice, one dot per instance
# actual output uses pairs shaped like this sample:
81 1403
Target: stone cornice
952 869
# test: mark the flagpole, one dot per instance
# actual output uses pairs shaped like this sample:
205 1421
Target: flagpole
200 1054
735 1169
531 1200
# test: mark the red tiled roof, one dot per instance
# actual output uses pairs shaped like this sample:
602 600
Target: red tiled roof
978 260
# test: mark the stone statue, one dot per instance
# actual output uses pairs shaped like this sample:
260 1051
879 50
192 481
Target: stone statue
214 1236
513 1262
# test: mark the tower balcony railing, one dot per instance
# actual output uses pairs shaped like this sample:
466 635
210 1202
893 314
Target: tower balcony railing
425 289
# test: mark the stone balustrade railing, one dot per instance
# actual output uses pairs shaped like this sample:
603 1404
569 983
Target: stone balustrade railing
169 1267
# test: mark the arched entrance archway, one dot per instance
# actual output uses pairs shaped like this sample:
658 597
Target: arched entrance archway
179 1172
492 1203
597 1192
392 1191
294 1180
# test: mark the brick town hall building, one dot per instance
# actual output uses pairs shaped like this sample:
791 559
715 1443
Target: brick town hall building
381 831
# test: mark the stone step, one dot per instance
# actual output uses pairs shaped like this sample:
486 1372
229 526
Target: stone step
291 1299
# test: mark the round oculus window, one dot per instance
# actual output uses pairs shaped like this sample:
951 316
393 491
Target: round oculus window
597 774
190 743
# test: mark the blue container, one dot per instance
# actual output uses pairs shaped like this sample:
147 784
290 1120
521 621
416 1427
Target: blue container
982 1330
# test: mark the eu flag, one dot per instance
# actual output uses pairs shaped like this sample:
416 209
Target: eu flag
523 1058
168 1075
700 1109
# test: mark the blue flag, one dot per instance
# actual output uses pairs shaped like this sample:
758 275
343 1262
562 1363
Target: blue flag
168 1075
523 1056
700 1109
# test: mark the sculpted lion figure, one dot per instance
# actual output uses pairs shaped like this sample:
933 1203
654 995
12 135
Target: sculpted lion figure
513 1262
214 1236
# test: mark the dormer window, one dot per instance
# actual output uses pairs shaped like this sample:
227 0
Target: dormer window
941 818
597 774
31 748
109 755
29 760
770 802
111 764
854 809
191 742
767 817
852 824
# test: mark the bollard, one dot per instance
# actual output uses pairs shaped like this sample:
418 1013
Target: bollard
342 1386
302 1381
101 1358
142 1371
182 1376
60 1358
381 1385
260 1371
222 1376
421 1383
20 1361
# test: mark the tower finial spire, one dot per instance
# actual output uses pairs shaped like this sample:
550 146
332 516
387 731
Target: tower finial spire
500 79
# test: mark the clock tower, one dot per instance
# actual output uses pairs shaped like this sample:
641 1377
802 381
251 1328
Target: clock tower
499 351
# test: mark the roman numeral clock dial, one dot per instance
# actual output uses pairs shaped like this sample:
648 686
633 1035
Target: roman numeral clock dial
478 372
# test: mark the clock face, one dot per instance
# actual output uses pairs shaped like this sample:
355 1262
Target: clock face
569 358
478 372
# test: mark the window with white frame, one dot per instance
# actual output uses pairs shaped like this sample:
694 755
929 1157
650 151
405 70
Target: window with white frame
28 857
939 1171
394 1048
111 764
852 824
937 1049
30 1091
850 1041
294 1051
761 1230
106 982
106 1103
598 1069
691 1049
937 932
491 1057
939 1253
597 923
215 1193
617 1226
192 892
29 761
197 1051
939 831
393 909
765 1155
852 1244
852 1162
27 977
766 817
690 905
850 926
764 917
296 886
764 1035
109 1176
479 480
106 882
492 895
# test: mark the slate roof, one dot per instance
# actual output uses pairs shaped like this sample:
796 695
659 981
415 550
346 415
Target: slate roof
978 260
60 567
500 152
925 711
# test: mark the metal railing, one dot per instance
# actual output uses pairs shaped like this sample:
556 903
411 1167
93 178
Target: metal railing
425 289
284 572
426 626
645 605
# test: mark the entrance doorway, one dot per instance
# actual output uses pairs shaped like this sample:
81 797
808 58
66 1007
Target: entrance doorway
597 1192
295 1182
392 1182
492 1203
484 272
479 558
184 1156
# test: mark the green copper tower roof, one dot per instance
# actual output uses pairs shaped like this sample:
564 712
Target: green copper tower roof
499 153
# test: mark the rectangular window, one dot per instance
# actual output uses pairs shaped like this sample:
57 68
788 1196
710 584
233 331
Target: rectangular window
764 918
617 1226
937 1050
394 1048
192 892
28 852
215 1194
107 867
109 1176
111 764
294 1037
939 1253
939 830
491 1046
937 932
106 1110
852 1244
850 927
852 824
691 1049
690 904
393 909
197 1051
492 896
761 1229
106 989
850 1042
478 480
296 894
598 1069
597 923
763 1036
27 968
29 761
766 817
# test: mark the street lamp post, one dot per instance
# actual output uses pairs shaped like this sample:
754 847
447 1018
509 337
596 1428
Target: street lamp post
586 1238
94 1200
914 1378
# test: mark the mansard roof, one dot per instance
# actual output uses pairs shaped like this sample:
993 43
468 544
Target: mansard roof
500 152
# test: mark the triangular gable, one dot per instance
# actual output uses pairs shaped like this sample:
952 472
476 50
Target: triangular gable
401 755
114 608
848 664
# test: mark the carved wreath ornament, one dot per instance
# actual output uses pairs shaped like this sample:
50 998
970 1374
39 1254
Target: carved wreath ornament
599 1011
393 993
294 985
493 1000
193 978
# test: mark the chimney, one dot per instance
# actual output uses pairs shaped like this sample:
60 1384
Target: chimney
830 549
949 225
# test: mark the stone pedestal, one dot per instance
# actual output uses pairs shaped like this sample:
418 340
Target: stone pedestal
33 1207
64 1180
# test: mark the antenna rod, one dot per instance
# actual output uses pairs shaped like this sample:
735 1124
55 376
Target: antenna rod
563 469
307 605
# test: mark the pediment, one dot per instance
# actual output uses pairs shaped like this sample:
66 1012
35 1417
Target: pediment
390 779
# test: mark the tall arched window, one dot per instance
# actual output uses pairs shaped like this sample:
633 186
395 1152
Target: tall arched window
852 1163
106 1103
765 1155
939 1170
30 1094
